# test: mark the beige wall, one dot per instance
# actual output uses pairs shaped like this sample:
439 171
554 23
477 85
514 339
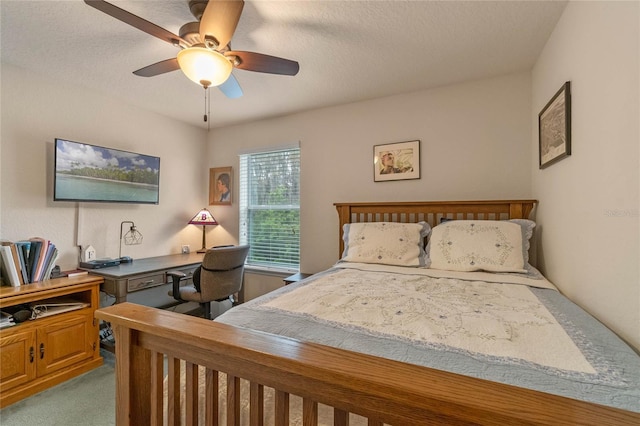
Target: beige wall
589 205
33 114
474 145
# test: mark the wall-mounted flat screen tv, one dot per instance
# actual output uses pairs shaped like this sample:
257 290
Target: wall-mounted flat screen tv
93 173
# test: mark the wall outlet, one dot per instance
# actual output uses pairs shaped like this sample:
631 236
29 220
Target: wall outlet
186 249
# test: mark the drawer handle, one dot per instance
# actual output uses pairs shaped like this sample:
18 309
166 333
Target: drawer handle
149 282
31 354
41 350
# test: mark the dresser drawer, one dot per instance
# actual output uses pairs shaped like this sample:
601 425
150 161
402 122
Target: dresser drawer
139 283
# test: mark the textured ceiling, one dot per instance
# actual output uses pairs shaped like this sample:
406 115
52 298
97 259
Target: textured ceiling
348 50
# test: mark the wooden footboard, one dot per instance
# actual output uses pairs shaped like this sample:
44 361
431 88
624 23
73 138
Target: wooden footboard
381 390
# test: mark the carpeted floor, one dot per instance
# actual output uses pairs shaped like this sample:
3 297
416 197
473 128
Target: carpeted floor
86 400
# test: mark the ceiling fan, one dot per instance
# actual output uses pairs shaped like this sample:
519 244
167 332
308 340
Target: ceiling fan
205 56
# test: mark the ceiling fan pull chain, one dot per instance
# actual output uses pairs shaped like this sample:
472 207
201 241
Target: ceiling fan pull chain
205 105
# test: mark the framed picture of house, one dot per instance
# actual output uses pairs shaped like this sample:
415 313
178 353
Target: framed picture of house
554 128
220 185
396 161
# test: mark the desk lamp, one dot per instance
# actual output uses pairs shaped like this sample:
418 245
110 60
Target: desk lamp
131 238
204 218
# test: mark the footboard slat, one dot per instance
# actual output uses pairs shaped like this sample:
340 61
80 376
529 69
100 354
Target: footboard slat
309 412
380 390
340 418
157 375
173 391
233 400
256 404
211 397
191 394
281 408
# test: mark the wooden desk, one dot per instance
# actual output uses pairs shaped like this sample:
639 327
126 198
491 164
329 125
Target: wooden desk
144 281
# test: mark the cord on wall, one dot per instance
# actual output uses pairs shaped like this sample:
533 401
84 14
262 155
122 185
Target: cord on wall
78 227
78 231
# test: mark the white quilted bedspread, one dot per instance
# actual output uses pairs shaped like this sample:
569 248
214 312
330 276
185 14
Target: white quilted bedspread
472 317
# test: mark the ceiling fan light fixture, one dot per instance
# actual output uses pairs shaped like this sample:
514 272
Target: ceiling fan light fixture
204 66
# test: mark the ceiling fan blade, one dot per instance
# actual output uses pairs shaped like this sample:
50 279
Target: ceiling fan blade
161 67
136 21
259 62
220 19
231 88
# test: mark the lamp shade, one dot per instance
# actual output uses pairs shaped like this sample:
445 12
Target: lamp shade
203 217
204 66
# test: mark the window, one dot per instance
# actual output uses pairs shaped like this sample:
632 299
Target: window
270 208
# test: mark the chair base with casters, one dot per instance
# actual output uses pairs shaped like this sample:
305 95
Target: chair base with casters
218 278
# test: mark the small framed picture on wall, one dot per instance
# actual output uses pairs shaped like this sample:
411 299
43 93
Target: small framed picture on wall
554 128
396 161
220 185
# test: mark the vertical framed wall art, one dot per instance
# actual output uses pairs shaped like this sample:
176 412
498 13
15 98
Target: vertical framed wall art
554 128
220 186
396 161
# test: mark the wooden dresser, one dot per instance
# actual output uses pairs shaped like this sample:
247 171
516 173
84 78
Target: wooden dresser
43 352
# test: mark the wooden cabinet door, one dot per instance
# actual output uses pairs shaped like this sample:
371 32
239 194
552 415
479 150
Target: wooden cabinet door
17 352
65 341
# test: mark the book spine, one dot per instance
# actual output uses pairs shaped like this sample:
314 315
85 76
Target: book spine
16 261
51 261
26 249
34 254
9 264
23 261
41 260
4 272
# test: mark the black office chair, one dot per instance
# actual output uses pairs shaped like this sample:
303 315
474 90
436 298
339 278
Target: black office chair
217 279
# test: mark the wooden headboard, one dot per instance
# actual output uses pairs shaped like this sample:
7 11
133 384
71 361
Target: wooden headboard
431 211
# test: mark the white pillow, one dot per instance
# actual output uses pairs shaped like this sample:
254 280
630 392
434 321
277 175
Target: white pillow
526 226
387 243
477 245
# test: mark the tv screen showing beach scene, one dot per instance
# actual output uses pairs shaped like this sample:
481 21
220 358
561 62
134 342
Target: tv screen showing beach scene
91 173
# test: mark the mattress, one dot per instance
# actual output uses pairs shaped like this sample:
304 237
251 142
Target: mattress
516 329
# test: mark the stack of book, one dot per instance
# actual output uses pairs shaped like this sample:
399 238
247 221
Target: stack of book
28 261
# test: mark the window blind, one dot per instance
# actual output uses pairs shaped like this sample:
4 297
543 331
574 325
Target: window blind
270 207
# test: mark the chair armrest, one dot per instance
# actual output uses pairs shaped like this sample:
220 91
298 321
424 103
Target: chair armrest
176 277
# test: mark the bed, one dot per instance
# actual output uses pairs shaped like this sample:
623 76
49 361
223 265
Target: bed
419 322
